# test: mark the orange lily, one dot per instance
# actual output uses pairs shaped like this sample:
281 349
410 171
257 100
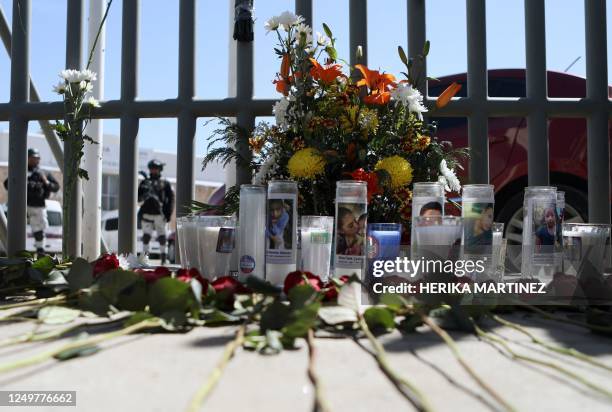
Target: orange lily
447 95
375 80
282 86
378 83
325 74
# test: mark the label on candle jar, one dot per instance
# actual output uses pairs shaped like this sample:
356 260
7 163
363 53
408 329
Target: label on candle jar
281 231
226 240
247 264
351 224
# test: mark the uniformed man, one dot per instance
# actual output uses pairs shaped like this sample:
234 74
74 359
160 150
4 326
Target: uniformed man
39 187
157 199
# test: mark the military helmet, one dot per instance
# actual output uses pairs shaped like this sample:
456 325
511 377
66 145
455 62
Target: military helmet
33 153
155 164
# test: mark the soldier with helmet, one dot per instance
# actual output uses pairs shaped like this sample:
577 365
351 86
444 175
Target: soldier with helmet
39 187
157 199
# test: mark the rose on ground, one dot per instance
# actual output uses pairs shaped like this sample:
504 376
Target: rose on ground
151 276
105 263
185 275
331 293
297 278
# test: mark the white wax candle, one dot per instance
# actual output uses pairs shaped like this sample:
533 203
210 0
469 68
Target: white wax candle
316 251
207 247
251 260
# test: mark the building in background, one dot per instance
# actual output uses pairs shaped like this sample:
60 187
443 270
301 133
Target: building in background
207 182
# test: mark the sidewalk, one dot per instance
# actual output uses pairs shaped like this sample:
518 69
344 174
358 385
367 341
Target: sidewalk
161 372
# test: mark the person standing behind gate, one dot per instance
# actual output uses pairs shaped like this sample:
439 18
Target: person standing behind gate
39 187
157 199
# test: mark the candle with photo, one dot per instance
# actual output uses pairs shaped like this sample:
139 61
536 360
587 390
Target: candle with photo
427 200
351 222
477 209
281 230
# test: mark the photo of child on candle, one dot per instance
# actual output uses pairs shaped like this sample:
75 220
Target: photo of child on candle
478 223
278 231
431 209
546 222
349 241
226 240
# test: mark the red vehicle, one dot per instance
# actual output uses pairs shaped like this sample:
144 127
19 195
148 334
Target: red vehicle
508 146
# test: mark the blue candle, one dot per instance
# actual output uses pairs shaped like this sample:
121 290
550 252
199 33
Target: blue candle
383 242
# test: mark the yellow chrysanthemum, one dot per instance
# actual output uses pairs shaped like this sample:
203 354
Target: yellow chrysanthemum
422 142
399 170
306 164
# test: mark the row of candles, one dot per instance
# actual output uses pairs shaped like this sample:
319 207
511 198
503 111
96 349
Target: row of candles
268 243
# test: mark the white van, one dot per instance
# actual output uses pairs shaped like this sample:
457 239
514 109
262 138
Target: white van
110 233
53 234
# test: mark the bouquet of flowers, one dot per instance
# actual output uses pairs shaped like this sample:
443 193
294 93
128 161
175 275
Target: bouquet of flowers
334 125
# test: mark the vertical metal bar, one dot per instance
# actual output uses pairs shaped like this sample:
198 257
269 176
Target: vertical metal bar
598 143
74 48
52 140
244 94
417 38
186 120
128 146
358 31
18 128
477 91
304 8
537 125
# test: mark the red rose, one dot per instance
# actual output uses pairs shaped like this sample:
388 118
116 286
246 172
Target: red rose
332 290
152 275
230 284
185 275
297 278
105 263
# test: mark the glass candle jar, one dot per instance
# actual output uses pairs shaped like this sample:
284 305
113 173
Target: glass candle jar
281 230
351 222
251 260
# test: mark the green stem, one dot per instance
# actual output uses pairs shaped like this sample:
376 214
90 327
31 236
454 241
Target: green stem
36 359
215 375
320 403
417 398
565 351
35 302
455 350
53 334
95 43
560 369
550 316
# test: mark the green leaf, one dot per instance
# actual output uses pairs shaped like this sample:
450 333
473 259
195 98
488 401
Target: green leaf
168 294
56 277
133 297
402 55
426 48
57 315
300 295
332 52
115 282
379 318
327 30
80 275
393 301
301 320
77 352
264 287
137 317
94 301
173 320
274 316
45 264
217 317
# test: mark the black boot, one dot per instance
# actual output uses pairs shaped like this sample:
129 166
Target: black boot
163 258
40 251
